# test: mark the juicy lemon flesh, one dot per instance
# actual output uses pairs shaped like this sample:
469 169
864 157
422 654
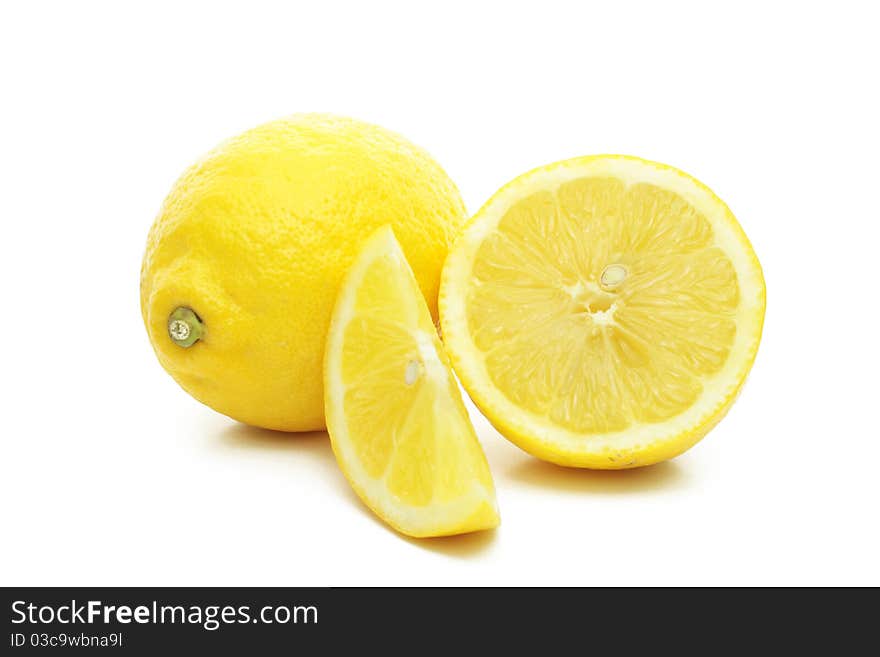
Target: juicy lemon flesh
398 426
599 305
603 356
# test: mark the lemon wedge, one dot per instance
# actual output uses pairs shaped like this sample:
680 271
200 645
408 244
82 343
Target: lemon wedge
394 412
603 312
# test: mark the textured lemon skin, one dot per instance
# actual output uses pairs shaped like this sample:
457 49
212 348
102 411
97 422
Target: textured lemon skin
255 238
516 426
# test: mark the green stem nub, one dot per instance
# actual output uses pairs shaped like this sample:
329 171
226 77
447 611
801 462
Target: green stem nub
185 328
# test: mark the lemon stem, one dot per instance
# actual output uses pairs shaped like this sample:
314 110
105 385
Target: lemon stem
185 328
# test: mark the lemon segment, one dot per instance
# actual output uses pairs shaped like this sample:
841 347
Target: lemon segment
396 419
604 311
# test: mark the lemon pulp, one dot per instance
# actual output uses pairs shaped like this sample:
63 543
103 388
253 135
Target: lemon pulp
397 423
603 311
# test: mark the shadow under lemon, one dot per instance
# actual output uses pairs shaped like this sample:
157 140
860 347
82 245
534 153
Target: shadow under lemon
316 445
311 445
244 436
667 475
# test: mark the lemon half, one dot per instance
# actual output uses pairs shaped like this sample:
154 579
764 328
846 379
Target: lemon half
604 311
396 419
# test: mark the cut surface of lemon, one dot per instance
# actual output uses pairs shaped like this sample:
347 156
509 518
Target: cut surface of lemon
396 419
603 311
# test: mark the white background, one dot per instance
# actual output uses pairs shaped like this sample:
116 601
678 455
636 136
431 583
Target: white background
111 475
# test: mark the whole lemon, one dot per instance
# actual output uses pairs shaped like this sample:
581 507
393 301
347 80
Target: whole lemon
244 260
